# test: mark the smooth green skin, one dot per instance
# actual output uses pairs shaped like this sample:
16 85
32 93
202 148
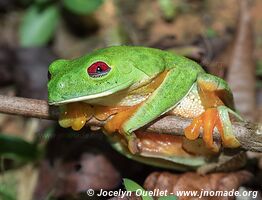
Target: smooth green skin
129 66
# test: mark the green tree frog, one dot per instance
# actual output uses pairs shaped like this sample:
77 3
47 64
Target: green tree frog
131 86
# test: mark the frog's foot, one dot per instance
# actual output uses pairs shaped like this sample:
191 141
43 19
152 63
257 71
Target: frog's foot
133 144
211 118
75 115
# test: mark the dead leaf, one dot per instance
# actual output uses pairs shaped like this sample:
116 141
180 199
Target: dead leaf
92 171
241 73
195 182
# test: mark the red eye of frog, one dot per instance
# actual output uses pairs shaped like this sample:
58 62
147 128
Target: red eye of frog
98 69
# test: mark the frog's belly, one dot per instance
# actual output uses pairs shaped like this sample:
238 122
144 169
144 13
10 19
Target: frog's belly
190 106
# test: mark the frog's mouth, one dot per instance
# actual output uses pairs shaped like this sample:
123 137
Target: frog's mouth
111 91
82 98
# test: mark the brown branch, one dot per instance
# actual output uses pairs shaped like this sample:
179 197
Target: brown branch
27 107
248 134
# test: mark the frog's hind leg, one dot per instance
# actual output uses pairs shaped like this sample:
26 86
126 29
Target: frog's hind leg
217 99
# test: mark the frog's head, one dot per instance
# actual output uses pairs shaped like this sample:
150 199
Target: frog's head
98 74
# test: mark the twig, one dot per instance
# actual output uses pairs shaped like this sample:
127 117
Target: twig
27 107
248 134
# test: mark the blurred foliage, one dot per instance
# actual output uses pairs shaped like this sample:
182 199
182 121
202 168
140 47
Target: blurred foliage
7 190
211 33
168 198
41 18
15 152
82 6
168 8
18 149
259 68
132 186
34 31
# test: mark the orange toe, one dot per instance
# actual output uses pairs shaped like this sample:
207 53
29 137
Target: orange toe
193 130
75 115
208 121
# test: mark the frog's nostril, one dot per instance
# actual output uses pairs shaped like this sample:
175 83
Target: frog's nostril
61 85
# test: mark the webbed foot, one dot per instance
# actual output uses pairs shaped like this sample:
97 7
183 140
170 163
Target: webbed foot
211 118
75 115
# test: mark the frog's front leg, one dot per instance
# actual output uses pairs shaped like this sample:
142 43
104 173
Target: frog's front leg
173 88
216 98
75 115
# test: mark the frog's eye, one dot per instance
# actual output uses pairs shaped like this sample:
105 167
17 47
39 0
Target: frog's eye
98 69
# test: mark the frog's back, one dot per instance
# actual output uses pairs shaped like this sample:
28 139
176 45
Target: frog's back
146 58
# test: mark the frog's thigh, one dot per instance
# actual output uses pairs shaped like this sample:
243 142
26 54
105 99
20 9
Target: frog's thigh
174 87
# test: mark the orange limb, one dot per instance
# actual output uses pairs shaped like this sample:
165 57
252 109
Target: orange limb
193 130
208 120
75 115
102 113
211 98
208 94
115 124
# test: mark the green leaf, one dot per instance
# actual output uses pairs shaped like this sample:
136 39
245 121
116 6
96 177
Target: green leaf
168 198
168 8
17 149
8 191
133 187
211 33
38 26
82 6
5 194
259 84
259 68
